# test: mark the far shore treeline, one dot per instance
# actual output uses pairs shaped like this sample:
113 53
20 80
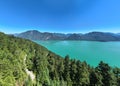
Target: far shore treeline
91 36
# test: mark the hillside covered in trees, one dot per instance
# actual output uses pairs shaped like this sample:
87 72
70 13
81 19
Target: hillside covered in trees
25 63
91 36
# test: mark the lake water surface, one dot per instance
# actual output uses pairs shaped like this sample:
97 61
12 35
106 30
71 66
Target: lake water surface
89 51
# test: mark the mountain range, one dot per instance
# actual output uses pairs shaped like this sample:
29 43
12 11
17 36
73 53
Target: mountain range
91 36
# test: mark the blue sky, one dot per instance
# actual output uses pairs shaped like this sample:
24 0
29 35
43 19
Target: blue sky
66 16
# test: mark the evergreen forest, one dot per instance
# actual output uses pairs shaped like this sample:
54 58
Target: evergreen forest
25 63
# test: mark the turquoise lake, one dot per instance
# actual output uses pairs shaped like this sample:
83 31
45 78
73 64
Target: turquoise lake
89 51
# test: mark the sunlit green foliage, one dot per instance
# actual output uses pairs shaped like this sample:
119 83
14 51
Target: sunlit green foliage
17 55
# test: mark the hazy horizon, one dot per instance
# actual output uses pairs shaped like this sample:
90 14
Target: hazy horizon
57 32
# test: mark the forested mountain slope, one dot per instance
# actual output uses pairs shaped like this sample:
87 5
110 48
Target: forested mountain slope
25 63
91 36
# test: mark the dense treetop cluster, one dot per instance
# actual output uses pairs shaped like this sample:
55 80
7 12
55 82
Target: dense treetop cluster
17 55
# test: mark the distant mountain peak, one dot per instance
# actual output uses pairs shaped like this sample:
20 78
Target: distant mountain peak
32 31
91 36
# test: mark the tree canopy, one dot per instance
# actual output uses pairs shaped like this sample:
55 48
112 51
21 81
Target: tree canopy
17 55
